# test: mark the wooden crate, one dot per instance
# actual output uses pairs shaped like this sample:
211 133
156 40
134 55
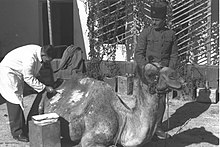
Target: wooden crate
125 85
44 136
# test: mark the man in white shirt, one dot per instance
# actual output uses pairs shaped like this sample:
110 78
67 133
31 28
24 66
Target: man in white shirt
18 66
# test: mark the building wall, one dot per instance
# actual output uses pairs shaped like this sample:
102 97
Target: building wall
79 27
83 11
19 24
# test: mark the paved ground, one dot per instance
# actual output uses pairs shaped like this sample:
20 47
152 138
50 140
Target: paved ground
192 124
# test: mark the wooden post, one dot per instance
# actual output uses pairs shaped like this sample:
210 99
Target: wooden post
128 28
49 22
209 25
134 30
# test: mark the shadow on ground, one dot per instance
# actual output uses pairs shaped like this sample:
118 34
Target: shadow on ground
182 139
183 114
180 118
185 138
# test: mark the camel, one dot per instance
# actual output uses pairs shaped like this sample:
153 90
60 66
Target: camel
94 115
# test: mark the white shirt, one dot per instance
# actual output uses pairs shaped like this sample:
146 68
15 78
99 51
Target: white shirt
19 65
26 60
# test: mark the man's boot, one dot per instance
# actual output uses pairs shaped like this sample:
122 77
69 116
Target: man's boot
159 132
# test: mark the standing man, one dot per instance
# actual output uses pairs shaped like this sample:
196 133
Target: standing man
157 48
18 66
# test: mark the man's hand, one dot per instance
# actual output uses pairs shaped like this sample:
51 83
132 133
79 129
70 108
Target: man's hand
151 69
50 89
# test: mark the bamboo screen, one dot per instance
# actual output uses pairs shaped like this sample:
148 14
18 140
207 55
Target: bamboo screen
119 22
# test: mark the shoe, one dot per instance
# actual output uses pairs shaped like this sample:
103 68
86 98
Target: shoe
21 138
161 134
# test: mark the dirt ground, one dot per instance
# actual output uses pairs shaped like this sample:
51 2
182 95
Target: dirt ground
191 124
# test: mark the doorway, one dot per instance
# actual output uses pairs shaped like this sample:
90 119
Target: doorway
61 21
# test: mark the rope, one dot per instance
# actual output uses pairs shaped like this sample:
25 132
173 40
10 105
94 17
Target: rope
178 131
168 110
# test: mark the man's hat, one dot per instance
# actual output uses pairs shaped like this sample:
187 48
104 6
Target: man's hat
159 10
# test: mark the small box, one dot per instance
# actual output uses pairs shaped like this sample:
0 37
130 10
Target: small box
207 95
125 85
47 135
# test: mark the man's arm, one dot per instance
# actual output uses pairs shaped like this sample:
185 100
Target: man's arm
29 78
140 51
174 53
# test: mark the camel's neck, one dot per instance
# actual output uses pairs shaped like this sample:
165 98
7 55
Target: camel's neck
144 98
142 123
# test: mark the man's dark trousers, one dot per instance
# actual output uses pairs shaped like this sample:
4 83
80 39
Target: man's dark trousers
16 119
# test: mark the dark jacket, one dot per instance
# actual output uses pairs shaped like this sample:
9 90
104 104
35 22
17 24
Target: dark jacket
160 46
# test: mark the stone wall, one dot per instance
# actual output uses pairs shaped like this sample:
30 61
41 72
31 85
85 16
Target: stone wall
128 68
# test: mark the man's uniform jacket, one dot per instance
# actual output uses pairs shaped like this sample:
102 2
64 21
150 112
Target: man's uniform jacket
158 45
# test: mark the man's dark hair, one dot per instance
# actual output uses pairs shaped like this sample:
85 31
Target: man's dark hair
49 50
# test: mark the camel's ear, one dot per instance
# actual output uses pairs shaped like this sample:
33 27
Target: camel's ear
151 73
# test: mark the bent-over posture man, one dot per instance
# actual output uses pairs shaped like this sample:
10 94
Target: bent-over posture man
157 48
18 66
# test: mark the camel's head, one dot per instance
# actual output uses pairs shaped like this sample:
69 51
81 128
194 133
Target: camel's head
162 80
169 79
